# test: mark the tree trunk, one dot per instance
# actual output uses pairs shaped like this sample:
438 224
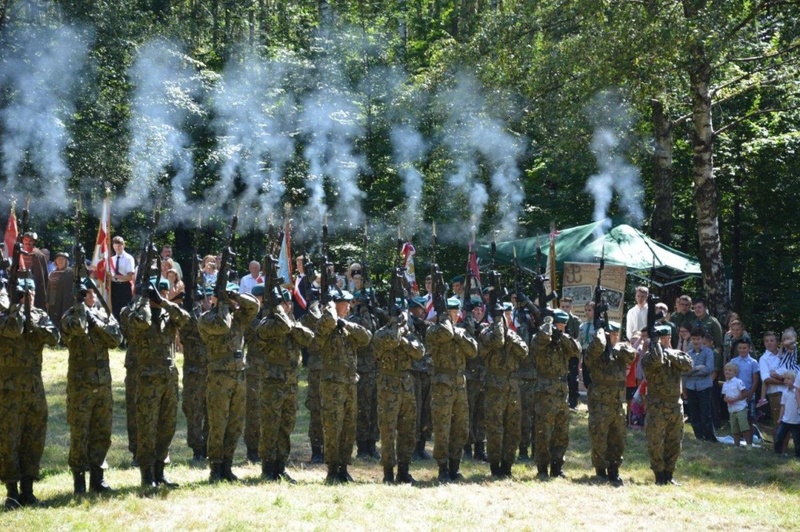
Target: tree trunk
662 174
705 187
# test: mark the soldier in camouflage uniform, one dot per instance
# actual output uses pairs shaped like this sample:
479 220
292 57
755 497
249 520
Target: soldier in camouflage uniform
89 333
552 349
449 347
396 347
253 377
280 337
339 341
23 406
502 349
222 330
367 431
313 400
662 368
526 374
130 391
152 323
195 377
476 394
421 370
609 361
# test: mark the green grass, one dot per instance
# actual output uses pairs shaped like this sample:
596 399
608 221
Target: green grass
722 487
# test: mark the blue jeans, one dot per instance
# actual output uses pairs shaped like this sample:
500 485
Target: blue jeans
783 430
700 414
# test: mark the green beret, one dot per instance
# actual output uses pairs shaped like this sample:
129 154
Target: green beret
258 290
25 284
457 279
232 287
453 303
163 284
614 326
663 330
418 301
362 294
508 306
476 301
560 316
343 296
280 295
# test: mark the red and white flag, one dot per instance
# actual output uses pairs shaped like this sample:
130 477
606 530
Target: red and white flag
11 233
100 256
408 251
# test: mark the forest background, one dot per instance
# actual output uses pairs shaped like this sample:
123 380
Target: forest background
509 116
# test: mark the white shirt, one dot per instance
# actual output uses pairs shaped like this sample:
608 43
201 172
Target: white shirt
769 362
635 320
734 388
247 283
126 264
789 402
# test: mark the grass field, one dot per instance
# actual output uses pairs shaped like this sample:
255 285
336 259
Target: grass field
722 488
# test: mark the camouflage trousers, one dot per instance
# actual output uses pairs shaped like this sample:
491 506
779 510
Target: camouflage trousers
89 415
450 420
476 399
23 426
607 431
397 418
367 421
314 406
527 414
664 429
552 425
194 408
225 398
503 414
252 418
338 421
422 392
130 408
278 416
156 416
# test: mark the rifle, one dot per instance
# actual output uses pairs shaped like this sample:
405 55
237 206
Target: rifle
270 262
18 271
600 305
466 295
190 282
328 277
437 281
149 251
540 288
365 281
396 283
495 281
79 270
221 287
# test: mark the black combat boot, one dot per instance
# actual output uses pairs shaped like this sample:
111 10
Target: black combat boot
268 470
372 452
480 452
78 482
160 478
403 476
444 474
97 482
362 449
333 474
199 456
523 454
227 473
613 475
601 473
26 496
555 470
505 469
12 496
148 480
454 466
659 478
468 451
419 451
344 476
388 475
317 457
281 474
252 456
668 480
494 468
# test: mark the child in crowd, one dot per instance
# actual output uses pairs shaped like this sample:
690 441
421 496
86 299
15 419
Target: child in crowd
790 417
735 393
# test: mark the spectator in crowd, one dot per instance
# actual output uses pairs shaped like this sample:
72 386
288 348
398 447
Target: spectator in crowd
636 318
749 372
772 381
790 417
176 286
209 271
123 270
166 253
735 393
683 312
253 278
788 354
734 333
60 289
36 263
51 265
697 384
684 337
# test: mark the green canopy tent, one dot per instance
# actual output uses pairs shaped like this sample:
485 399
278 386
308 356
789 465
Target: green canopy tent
623 245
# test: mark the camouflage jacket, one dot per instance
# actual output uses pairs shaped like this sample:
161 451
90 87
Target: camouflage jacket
21 352
502 349
396 347
222 330
551 359
420 328
339 346
152 333
195 356
280 337
256 355
310 320
608 372
449 348
366 355
88 345
476 367
663 369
